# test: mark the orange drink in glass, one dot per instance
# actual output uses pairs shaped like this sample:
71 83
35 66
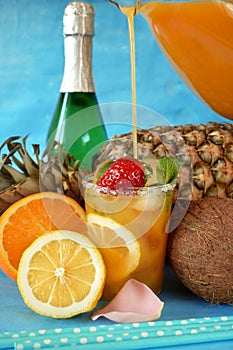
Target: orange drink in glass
130 230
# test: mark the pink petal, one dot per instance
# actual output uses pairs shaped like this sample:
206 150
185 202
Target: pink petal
135 302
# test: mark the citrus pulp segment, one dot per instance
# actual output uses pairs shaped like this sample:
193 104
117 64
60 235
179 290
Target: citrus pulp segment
61 274
29 218
119 247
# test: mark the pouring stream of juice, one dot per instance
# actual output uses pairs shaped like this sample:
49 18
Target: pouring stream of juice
130 12
197 39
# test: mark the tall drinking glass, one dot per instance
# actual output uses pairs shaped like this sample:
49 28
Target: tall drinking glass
134 243
130 225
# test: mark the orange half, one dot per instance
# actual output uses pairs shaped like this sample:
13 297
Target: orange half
31 217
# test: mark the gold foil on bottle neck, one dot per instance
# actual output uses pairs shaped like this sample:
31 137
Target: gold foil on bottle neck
78 19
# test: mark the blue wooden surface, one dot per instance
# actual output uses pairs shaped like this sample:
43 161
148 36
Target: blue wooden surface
180 304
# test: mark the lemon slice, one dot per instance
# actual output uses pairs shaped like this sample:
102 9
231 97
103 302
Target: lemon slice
119 247
61 274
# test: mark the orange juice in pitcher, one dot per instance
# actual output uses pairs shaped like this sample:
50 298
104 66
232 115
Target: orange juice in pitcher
197 38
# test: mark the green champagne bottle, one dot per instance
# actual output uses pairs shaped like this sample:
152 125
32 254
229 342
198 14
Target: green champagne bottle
77 125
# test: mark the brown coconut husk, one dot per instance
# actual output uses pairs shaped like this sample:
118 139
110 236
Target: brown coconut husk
200 249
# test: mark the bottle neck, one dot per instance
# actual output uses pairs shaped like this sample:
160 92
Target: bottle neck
78 64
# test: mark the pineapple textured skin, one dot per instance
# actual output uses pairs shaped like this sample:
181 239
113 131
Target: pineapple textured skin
206 151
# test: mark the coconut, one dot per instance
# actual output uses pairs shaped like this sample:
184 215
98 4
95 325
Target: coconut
200 249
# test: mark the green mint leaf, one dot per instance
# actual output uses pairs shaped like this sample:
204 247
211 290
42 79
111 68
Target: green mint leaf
167 170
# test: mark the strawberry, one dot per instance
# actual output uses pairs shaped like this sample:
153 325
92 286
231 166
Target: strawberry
123 173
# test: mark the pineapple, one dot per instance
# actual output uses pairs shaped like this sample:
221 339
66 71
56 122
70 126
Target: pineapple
205 150
17 183
21 175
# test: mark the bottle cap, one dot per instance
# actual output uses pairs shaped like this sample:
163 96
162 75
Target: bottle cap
78 19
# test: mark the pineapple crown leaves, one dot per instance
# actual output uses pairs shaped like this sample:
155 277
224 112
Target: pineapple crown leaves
167 170
25 163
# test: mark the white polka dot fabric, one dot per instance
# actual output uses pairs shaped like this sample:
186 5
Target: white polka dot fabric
124 336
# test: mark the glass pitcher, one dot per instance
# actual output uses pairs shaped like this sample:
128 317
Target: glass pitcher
196 36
